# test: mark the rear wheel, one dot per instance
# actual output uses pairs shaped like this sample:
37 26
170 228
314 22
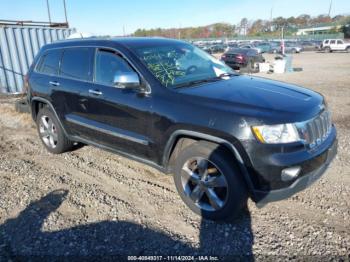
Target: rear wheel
209 182
51 132
348 49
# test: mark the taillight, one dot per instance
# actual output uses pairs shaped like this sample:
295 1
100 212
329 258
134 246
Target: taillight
25 83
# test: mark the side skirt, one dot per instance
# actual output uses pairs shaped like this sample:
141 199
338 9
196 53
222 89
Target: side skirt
112 150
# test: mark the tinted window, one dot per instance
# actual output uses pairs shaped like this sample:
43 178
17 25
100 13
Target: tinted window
332 41
108 64
77 63
252 52
340 42
49 63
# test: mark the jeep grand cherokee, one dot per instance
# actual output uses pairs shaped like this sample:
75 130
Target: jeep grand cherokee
224 137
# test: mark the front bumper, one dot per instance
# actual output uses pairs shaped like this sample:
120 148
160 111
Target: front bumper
300 184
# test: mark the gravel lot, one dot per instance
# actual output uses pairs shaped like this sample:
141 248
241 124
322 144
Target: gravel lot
93 203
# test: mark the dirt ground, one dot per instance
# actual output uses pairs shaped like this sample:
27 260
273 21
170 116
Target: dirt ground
93 203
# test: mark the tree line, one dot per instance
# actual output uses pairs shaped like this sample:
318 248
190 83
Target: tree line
259 27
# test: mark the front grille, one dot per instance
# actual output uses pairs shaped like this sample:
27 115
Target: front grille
316 130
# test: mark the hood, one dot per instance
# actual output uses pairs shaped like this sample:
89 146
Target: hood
262 95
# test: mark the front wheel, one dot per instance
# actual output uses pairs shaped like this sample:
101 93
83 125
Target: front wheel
209 181
348 49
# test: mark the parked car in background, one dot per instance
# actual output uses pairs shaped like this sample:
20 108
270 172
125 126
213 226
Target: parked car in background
317 43
251 46
214 49
265 47
275 47
232 45
292 47
330 45
223 136
243 59
308 45
206 49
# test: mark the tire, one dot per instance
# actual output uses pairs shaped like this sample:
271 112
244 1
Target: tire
348 49
249 68
294 51
22 106
51 133
230 189
327 50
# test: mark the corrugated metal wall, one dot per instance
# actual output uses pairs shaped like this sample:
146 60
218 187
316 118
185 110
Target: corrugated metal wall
18 47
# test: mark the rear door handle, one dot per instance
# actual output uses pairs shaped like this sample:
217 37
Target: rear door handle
54 83
95 92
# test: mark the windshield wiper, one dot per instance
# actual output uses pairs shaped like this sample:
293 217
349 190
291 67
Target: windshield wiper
207 80
195 82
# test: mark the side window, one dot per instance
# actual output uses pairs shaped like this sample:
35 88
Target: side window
332 42
49 63
327 41
108 65
339 42
77 63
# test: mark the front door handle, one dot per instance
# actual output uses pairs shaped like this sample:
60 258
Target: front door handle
95 92
54 83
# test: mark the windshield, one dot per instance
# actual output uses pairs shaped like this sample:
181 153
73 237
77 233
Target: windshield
177 64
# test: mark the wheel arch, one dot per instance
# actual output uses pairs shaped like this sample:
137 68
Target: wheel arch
37 103
182 138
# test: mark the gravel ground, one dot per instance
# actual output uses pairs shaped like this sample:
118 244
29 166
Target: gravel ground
89 202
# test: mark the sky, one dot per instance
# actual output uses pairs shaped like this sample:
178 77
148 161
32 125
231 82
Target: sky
114 17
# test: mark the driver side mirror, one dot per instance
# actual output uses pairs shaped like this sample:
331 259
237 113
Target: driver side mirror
126 80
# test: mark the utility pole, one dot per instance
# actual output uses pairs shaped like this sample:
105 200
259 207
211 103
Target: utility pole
330 8
48 10
271 26
65 11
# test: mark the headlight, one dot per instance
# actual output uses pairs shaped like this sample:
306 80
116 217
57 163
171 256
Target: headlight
276 134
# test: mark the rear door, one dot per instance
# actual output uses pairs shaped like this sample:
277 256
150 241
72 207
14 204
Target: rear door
75 77
333 44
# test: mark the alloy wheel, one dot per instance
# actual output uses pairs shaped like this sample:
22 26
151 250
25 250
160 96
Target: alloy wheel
204 184
48 131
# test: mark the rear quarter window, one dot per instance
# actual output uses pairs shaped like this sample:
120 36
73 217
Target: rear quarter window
77 63
49 62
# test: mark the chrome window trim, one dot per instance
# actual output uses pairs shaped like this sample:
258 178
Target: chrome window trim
148 87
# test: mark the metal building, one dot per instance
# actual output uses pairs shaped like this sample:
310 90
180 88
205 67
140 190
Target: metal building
19 43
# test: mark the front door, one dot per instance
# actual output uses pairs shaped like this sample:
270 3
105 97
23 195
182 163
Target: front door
115 117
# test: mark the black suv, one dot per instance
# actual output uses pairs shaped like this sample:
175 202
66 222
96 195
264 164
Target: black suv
166 103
